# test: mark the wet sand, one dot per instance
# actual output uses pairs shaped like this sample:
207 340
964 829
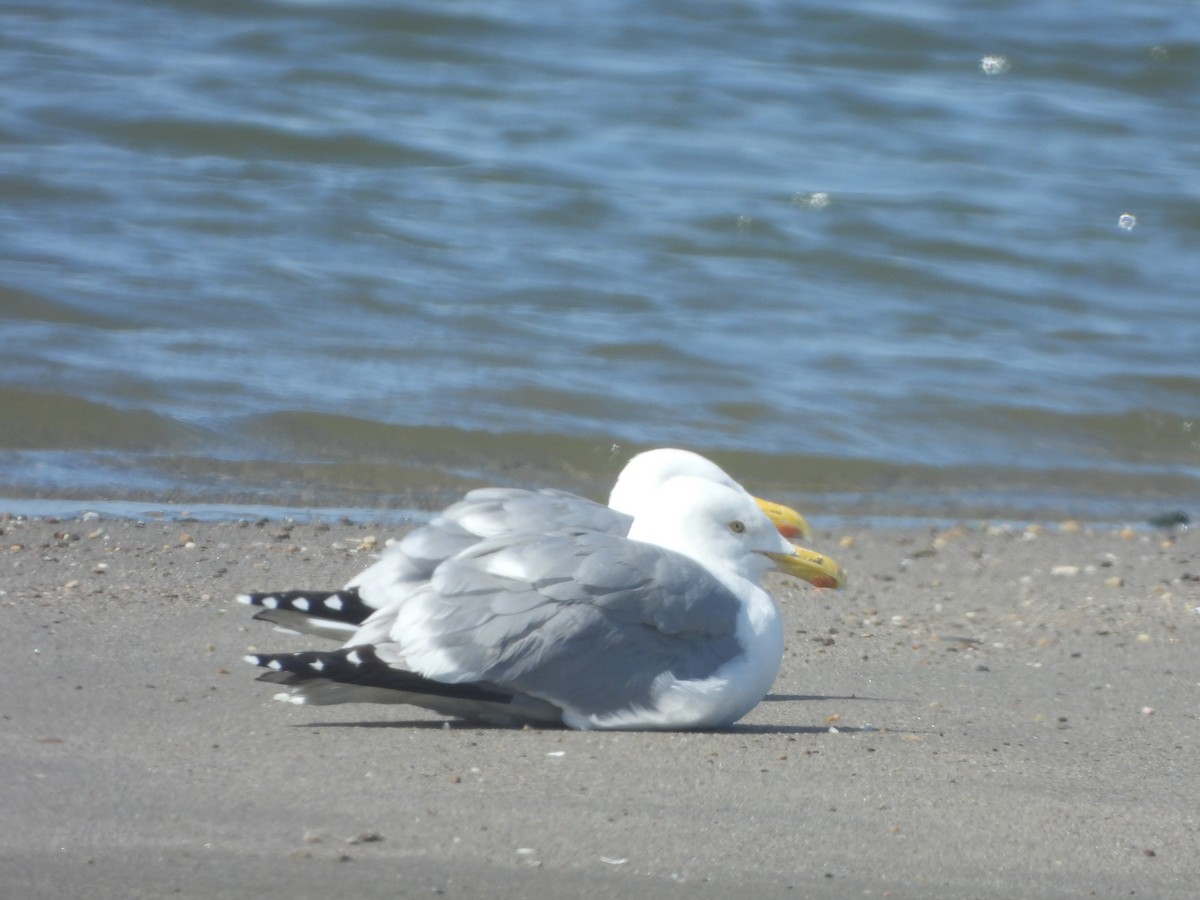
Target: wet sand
982 714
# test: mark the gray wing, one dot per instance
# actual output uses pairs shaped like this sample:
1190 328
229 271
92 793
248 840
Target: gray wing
481 514
490 512
580 619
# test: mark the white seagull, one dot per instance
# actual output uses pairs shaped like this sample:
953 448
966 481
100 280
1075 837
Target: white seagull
489 513
666 628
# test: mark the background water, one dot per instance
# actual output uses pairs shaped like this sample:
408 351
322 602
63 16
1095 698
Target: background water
868 255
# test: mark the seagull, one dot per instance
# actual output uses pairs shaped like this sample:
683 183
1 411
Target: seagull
488 513
667 627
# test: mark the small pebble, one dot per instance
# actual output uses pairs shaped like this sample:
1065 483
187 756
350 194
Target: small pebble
1065 570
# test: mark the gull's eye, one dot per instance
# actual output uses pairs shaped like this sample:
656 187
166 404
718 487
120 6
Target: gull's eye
737 526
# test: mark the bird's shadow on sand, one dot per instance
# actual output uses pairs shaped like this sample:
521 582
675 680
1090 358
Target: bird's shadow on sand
746 728
455 725
809 698
753 728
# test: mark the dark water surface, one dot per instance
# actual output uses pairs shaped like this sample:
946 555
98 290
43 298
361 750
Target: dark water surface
869 256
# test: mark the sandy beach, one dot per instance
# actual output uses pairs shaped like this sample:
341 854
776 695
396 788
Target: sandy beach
983 713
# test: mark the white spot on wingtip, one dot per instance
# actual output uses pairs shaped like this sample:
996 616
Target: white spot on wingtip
301 603
250 658
334 602
275 664
245 599
353 658
317 665
270 602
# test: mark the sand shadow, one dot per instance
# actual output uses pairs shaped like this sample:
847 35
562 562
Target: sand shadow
736 728
443 725
743 728
810 698
462 725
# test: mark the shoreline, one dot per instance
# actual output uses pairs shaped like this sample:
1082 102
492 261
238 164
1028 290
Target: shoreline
1167 523
982 713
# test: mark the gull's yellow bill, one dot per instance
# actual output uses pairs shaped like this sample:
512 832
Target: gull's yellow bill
789 522
818 569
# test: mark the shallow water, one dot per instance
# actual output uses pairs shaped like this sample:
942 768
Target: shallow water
366 254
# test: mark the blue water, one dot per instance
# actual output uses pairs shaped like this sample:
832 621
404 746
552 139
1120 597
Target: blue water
870 255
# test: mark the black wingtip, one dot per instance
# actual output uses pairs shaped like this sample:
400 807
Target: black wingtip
339 606
362 666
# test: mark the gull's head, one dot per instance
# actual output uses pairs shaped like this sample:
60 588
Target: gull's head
647 472
724 527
